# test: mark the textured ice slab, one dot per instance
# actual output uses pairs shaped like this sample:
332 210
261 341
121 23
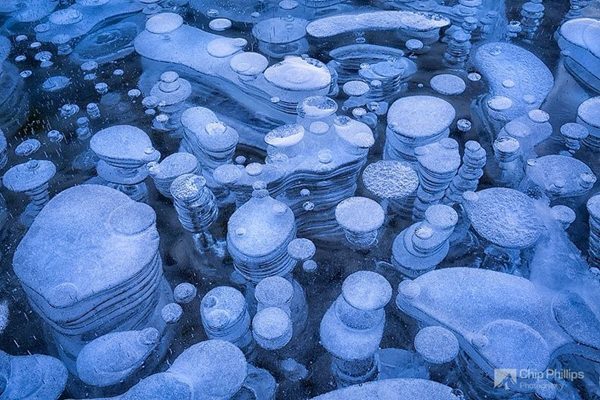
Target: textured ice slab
83 16
392 389
211 370
34 377
560 176
29 11
580 41
89 264
505 217
406 21
275 90
504 321
81 226
514 73
115 356
315 161
109 43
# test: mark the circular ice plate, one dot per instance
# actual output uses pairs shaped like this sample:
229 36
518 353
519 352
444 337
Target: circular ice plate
390 179
436 344
448 84
420 116
123 142
366 290
295 73
164 23
23 177
248 63
589 111
359 214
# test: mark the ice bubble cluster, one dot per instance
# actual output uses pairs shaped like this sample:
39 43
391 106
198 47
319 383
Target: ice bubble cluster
299 199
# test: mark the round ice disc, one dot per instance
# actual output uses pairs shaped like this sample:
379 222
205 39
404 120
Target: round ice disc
448 84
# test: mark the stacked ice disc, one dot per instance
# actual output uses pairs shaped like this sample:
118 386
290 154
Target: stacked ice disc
349 59
90 265
416 121
311 166
172 92
588 115
165 172
225 316
387 78
438 163
281 36
394 182
423 245
124 151
258 234
211 141
295 78
471 170
593 206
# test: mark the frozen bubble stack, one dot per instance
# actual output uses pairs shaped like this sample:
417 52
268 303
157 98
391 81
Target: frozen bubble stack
124 151
225 316
212 142
394 183
281 36
360 218
90 265
588 116
171 92
423 245
593 207
258 236
529 130
532 13
470 171
415 121
573 134
438 164
509 162
458 50
349 59
352 328
196 208
31 178
173 166
387 79
311 165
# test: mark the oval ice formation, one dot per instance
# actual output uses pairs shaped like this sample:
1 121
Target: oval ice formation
499 62
376 21
505 217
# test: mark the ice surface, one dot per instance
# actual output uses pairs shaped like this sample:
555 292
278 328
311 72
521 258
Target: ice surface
217 199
